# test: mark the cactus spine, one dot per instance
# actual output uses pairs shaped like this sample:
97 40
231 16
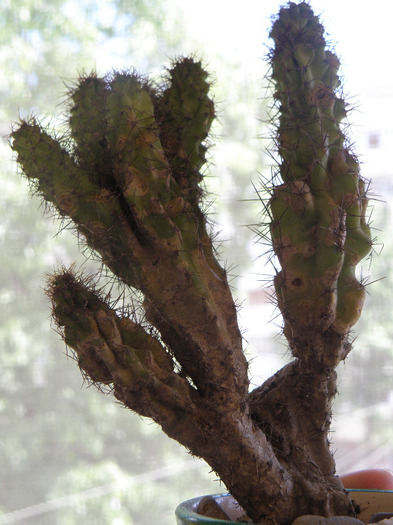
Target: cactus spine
130 179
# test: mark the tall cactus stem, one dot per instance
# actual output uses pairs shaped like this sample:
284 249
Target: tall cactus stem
319 227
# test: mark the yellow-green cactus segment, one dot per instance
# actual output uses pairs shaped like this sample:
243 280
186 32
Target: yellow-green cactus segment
318 227
88 128
94 209
185 114
307 282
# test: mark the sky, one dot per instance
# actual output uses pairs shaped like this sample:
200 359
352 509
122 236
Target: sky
361 29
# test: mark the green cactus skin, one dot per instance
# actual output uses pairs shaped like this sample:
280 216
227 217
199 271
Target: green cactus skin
95 210
319 228
185 114
129 176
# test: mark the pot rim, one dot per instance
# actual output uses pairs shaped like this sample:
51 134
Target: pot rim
369 490
186 510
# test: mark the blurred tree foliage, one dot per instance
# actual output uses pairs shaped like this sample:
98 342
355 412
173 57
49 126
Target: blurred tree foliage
56 437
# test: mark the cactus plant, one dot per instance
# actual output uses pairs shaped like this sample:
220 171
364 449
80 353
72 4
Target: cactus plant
129 177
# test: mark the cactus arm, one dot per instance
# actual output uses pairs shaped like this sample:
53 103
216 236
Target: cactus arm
319 234
185 114
115 350
319 228
88 128
62 183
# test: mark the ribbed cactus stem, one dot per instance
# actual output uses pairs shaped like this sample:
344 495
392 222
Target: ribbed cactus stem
318 227
94 209
115 350
185 114
140 166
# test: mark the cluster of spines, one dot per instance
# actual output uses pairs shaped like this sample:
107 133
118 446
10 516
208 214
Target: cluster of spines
319 227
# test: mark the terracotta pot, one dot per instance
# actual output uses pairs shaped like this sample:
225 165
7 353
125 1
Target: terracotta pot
367 503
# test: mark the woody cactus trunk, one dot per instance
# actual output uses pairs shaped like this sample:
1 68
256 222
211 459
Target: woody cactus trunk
129 177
